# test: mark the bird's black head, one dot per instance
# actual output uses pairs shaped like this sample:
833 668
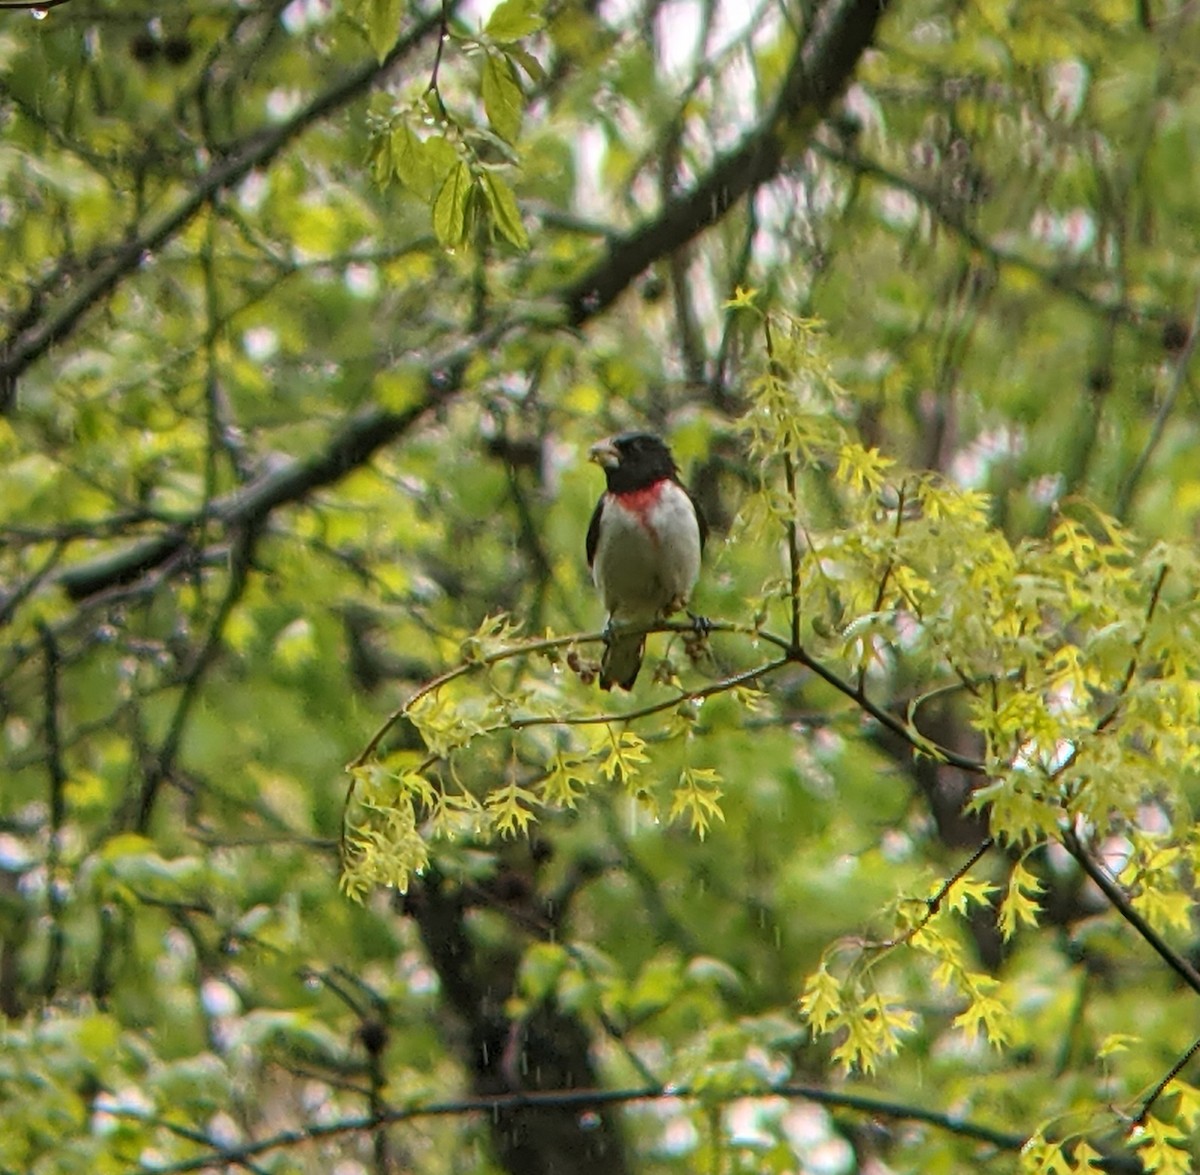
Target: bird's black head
633 461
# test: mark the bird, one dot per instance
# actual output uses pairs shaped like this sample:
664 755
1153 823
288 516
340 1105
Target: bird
644 544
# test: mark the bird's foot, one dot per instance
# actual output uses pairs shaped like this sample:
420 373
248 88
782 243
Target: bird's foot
695 642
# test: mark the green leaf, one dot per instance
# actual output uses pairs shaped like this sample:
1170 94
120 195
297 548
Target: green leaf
506 216
514 19
821 1005
450 208
421 165
383 25
502 96
1161 1147
526 60
399 388
1020 907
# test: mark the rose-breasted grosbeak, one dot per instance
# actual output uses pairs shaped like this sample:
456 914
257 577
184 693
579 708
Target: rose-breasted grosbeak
643 546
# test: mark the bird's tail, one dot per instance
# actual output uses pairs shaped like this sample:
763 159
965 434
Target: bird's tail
621 661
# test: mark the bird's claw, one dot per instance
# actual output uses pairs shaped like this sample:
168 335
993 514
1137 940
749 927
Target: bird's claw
701 624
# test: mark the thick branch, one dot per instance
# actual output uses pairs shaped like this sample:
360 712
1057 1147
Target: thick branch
26 346
820 72
821 69
351 446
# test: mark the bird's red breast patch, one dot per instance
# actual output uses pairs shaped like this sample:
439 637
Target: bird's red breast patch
641 501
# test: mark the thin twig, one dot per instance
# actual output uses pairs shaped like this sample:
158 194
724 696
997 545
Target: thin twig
1170 1076
791 655
883 582
789 474
1109 717
933 904
671 703
1135 656
1120 900
896 725
546 645
11 601
19 349
1061 280
433 87
164 762
1178 378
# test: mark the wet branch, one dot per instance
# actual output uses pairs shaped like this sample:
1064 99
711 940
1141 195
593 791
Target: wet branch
57 771
820 71
1003 1140
1117 896
25 346
163 766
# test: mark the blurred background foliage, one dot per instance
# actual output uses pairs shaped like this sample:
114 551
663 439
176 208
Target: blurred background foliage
311 312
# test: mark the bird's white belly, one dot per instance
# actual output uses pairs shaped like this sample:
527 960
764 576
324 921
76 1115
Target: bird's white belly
647 562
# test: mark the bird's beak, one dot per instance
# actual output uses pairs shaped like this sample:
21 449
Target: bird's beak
605 453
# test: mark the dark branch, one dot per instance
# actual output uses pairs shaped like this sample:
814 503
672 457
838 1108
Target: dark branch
820 72
1120 900
352 445
18 351
58 811
1167 1078
164 762
578 1098
1059 279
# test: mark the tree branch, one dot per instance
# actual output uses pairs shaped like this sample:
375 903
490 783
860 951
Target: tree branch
25 346
820 71
1170 1075
574 1098
1058 279
164 762
1120 900
350 446
1177 381
58 810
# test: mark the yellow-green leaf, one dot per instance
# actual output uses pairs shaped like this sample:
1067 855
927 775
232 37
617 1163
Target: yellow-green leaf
450 208
383 25
514 19
502 97
1159 1146
526 60
510 808
821 1003
503 206
1116 1042
1019 907
421 165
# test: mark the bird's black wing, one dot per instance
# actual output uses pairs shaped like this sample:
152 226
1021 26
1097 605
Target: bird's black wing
593 534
